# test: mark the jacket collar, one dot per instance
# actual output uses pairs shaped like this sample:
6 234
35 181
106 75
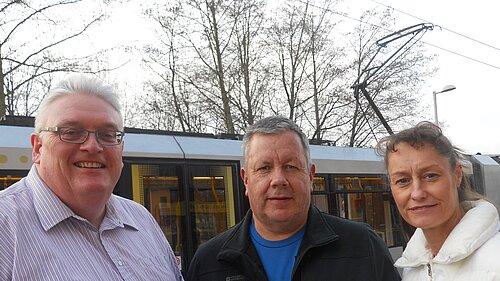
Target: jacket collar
239 237
240 252
318 232
477 226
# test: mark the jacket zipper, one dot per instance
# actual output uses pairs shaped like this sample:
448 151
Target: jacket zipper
429 271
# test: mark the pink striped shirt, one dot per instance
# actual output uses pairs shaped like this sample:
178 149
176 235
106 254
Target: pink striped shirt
42 239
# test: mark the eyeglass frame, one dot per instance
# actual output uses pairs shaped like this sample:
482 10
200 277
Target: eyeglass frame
58 130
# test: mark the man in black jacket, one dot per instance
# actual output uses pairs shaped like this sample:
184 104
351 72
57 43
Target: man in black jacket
283 237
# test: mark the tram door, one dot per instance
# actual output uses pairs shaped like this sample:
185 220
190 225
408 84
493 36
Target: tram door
212 201
158 188
209 209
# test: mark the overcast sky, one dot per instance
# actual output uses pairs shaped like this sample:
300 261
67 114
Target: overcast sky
467 114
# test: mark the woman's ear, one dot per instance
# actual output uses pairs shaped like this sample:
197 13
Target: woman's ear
458 174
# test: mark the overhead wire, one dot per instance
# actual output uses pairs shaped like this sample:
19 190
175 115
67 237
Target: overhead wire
345 15
451 31
442 27
463 56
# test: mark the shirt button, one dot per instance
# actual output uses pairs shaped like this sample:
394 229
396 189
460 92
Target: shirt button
120 263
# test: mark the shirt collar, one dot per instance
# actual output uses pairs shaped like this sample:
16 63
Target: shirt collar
51 210
117 215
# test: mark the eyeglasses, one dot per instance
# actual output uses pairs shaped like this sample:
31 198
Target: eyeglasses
79 135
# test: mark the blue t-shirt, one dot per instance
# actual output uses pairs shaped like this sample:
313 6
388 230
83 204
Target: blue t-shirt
278 257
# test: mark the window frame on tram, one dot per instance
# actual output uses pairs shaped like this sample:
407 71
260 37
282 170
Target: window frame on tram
9 177
184 168
332 193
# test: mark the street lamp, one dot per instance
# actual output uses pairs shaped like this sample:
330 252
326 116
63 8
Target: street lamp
445 89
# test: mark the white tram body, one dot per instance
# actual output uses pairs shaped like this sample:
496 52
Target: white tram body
15 150
191 183
15 154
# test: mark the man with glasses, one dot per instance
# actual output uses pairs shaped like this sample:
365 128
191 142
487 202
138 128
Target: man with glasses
62 222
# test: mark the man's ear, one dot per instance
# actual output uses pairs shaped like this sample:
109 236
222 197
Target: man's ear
36 145
244 177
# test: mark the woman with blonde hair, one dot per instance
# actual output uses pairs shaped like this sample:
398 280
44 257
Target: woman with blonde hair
457 229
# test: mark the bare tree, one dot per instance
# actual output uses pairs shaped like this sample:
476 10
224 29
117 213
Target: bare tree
211 29
210 57
170 85
324 108
290 36
221 64
26 61
250 74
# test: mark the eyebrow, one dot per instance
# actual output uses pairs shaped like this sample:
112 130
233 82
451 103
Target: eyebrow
76 124
425 168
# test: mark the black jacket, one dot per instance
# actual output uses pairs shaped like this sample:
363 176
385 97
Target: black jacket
332 249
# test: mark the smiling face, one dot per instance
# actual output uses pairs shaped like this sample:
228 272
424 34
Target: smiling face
81 175
278 183
425 187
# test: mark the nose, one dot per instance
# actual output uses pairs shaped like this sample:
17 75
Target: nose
91 144
278 177
418 191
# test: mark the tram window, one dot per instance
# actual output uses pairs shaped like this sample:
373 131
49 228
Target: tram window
157 187
7 181
8 178
163 195
360 183
319 184
212 201
319 197
368 200
320 201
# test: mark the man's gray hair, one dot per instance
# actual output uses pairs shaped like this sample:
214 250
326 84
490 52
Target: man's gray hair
77 84
275 125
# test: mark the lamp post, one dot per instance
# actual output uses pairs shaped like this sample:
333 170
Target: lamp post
445 89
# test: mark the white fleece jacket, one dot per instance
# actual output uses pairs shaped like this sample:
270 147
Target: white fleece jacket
470 253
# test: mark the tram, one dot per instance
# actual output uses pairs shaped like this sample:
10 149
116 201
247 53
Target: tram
191 183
